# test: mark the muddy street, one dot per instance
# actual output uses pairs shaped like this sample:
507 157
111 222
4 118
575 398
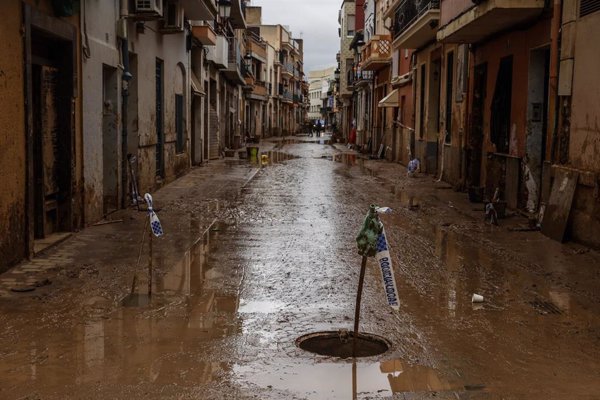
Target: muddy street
257 254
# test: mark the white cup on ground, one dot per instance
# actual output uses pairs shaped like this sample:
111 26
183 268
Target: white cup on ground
477 298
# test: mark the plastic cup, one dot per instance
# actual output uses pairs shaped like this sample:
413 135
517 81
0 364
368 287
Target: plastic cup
477 298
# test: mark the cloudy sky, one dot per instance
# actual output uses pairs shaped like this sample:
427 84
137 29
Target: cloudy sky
315 21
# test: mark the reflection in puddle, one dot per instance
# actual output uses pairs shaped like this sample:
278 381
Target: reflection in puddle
145 340
407 198
405 378
135 300
344 380
272 157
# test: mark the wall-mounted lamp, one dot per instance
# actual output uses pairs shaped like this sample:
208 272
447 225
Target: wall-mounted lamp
225 8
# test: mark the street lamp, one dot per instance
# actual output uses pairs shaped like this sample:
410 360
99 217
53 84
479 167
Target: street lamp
336 74
225 8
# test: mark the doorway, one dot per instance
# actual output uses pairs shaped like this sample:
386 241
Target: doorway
110 139
537 112
475 144
500 119
50 79
160 156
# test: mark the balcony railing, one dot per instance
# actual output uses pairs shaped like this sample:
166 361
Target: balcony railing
409 11
288 68
377 52
287 95
358 77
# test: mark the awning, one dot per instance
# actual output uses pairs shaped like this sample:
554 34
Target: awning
391 100
196 86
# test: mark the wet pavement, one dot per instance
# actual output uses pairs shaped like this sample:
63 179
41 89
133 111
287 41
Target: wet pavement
258 253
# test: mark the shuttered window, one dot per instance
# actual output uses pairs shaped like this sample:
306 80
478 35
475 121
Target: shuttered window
179 123
588 6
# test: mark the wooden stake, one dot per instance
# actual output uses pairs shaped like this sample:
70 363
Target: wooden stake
361 281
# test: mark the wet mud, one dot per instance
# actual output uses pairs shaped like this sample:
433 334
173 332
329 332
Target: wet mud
258 254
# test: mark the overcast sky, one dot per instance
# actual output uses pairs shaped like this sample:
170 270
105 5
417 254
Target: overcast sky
315 21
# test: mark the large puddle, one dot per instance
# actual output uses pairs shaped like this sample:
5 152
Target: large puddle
346 380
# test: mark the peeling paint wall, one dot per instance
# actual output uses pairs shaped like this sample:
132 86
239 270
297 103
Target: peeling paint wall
452 149
12 137
584 146
171 49
584 130
15 243
518 44
102 49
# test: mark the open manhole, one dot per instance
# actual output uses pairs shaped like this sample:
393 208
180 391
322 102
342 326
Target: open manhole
340 344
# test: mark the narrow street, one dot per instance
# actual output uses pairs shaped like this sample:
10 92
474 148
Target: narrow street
255 256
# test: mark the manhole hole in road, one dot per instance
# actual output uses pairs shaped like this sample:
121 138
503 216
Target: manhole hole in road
340 344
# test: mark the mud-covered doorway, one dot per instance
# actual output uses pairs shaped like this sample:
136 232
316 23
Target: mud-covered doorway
475 142
537 124
51 82
110 139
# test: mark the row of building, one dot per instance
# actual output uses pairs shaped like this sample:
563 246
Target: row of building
98 96
487 94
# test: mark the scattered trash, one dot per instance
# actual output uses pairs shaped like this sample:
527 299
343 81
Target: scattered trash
524 229
111 221
490 214
477 298
413 167
22 289
43 282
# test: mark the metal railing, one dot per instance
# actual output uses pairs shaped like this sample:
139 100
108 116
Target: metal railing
409 11
378 48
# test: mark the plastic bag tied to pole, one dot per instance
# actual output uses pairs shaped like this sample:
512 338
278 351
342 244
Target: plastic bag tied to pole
371 229
372 242
155 225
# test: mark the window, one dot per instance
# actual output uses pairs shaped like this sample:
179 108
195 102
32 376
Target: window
422 102
350 25
588 6
501 106
179 145
449 82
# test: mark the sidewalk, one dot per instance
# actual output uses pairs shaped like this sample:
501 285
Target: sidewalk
110 250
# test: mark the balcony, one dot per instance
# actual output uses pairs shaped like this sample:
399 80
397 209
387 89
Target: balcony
287 96
219 54
233 73
204 34
288 69
488 18
258 92
377 53
199 10
415 25
363 78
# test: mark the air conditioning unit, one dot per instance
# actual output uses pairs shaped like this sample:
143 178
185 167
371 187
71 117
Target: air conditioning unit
172 21
148 8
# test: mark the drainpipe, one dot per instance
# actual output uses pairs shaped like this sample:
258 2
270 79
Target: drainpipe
553 101
125 78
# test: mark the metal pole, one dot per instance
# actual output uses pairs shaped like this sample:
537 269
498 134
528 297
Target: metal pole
150 267
361 280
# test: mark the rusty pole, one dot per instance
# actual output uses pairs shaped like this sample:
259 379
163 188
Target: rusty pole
361 281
